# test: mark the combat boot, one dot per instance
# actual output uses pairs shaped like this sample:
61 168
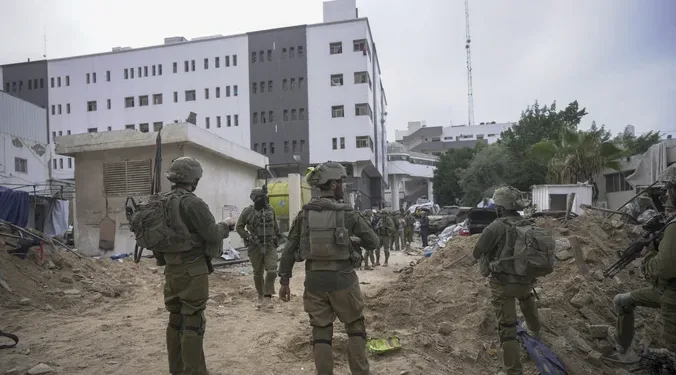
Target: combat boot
259 302
267 302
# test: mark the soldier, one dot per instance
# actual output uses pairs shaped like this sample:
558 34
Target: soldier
320 235
384 229
494 244
261 240
660 268
408 229
424 227
394 243
186 287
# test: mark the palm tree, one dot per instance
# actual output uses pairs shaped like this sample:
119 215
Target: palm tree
577 156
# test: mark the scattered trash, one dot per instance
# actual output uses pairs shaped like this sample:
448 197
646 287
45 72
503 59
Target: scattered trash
382 346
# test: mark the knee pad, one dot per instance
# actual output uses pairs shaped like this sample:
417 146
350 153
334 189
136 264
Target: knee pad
623 303
507 332
322 335
196 323
270 275
175 321
356 328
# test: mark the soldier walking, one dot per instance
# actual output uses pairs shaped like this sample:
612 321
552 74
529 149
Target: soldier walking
320 236
384 229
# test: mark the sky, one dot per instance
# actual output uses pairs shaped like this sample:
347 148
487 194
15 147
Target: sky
617 58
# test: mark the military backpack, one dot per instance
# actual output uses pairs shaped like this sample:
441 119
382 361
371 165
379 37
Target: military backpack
324 237
528 252
157 224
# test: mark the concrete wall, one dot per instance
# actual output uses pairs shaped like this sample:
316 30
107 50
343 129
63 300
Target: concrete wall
224 182
282 66
541 196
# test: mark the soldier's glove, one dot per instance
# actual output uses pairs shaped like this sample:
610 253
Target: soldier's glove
284 289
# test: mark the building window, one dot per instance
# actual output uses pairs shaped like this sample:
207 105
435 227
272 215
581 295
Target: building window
92 130
68 132
67 82
94 77
362 77
144 128
154 70
336 48
192 65
42 83
108 104
261 56
271 116
272 147
143 100
336 79
218 121
107 75
234 60
20 165
145 71
302 145
206 63
175 66
359 45
51 83
269 55
227 121
126 74
362 109
254 118
337 111
157 126
58 82
88 79
262 87
159 70
292 52
286 115
300 52
217 62
59 107
255 147
301 114
218 92
283 53
293 83
335 143
70 163
236 120
301 82
67 107
294 145
91 106
269 86
254 88
157 99
227 91
264 118
342 143
285 84
234 90
175 96
125 178
254 55
60 163
186 65
206 93
207 122
293 115
190 96
364 142
286 147
227 61
129 102
131 126
110 128
616 182
53 109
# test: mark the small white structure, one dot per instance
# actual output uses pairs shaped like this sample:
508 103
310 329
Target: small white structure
554 197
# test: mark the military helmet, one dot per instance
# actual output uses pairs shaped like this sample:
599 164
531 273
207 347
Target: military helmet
256 192
324 173
184 169
508 197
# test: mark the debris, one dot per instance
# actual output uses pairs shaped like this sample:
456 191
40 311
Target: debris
71 292
591 316
14 371
580 299
598 331
25 301
66 279
40 369
594 358
598 275
562 243
563 255
445 328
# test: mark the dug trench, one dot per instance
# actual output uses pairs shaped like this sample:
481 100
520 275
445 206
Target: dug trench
110 319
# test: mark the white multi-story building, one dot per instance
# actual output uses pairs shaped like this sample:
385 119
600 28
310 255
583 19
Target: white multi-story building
300 95
436 139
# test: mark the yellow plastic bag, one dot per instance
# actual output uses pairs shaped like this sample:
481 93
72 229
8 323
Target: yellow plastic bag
382 346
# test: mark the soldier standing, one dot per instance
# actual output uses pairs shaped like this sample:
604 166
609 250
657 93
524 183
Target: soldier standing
660 268
394 244
497 241
320 235
257 225
186 287
384 229
408 229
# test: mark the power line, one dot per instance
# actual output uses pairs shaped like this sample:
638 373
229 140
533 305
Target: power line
470 90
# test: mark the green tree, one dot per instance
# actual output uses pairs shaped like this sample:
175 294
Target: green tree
578 156
447 190
634 145
491 167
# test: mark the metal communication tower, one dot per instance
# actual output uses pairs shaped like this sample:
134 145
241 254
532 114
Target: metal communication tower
470 91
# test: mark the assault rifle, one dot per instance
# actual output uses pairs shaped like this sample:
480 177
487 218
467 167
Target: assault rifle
653 230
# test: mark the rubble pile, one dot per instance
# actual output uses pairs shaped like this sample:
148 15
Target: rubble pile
440 307
53 278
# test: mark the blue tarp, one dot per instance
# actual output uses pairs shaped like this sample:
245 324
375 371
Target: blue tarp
14 206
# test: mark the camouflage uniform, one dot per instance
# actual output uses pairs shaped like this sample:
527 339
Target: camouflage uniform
506 287
408 229
384 228
395 238
331 285
660 267
261 240
186 287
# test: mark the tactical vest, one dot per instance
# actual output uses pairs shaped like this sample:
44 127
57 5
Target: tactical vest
324 239
262 223
381 227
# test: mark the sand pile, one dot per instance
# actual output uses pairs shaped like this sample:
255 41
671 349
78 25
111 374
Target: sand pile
441 310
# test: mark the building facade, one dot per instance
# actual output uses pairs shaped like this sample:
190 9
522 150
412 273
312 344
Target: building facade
410 176
299 95
435 140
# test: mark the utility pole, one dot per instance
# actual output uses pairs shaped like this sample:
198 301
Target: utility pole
470 91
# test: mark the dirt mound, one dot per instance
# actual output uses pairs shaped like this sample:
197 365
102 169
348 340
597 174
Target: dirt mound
441 309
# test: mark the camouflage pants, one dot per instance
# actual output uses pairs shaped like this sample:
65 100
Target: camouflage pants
263 260
397 239
186 291
348 306
385 245
503 300
647 297
408 236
